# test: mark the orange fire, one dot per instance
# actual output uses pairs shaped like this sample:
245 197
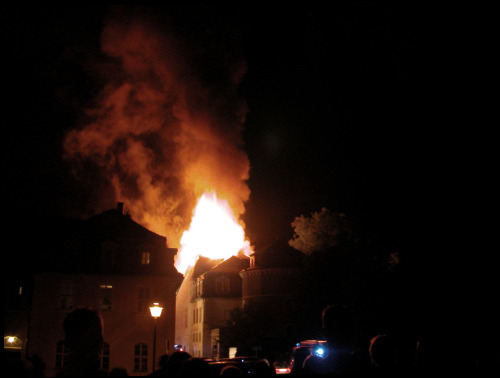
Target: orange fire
214 232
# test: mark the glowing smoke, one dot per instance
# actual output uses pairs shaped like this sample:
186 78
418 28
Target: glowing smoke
162 131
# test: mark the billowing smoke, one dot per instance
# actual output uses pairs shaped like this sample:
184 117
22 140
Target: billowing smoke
167 125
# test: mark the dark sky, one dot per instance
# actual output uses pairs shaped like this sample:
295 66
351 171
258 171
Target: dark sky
337 102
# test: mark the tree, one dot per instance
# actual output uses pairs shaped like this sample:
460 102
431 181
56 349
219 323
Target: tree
345 264
267 329
321 231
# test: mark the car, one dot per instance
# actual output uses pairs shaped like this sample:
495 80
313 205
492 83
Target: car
304 349
246 365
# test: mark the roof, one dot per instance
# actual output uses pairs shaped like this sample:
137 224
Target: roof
233 264
202 265
114 222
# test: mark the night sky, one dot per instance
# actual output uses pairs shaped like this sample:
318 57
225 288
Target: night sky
349 108
363 108
334 98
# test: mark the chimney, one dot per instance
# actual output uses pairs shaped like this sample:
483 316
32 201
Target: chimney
119 207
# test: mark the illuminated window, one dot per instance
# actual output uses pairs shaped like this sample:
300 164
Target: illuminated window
222 285
146 258
65 296
141 357
104 356
143 301
105 297
61 355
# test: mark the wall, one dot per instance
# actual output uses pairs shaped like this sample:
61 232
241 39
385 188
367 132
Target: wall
124 324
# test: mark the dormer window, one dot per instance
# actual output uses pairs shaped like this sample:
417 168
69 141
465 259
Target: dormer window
199 287
222 285
146 258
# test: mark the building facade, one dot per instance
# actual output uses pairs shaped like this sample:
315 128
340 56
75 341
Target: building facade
111 264
273 275
211 290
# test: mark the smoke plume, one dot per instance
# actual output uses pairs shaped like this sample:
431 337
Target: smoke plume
167 125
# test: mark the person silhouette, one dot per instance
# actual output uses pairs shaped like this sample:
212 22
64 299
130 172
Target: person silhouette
175 362
383 355
197 367
162 371
340 356
83 341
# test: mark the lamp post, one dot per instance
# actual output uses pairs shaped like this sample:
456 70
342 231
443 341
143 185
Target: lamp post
155 313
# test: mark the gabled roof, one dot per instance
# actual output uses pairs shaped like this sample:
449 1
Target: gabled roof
233 264
114 223
202 265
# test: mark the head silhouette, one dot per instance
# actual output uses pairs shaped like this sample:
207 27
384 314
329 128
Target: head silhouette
338 326
382 351
83 339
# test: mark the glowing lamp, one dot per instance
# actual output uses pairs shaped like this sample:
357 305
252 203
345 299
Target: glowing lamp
155 310
155 313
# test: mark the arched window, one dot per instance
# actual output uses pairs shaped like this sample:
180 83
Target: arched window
141 357
104 356
61 355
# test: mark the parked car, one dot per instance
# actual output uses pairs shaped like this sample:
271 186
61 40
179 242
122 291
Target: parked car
246 365
304 349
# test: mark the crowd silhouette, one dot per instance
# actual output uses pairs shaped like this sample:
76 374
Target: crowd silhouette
384 356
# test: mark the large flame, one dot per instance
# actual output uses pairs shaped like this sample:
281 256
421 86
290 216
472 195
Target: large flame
214 232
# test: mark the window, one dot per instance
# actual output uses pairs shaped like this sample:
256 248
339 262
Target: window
104 356
141 357
199 287
222 285
105 297
65 296
61 355
145 258
197 315
143 300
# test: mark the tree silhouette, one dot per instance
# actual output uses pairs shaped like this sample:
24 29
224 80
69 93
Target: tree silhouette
345 265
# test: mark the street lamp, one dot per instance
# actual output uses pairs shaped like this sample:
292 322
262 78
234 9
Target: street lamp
155 313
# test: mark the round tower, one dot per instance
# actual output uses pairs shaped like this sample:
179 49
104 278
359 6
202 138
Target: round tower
273 275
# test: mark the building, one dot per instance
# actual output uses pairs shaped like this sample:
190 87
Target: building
109 263
209 292
212 289
273 274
